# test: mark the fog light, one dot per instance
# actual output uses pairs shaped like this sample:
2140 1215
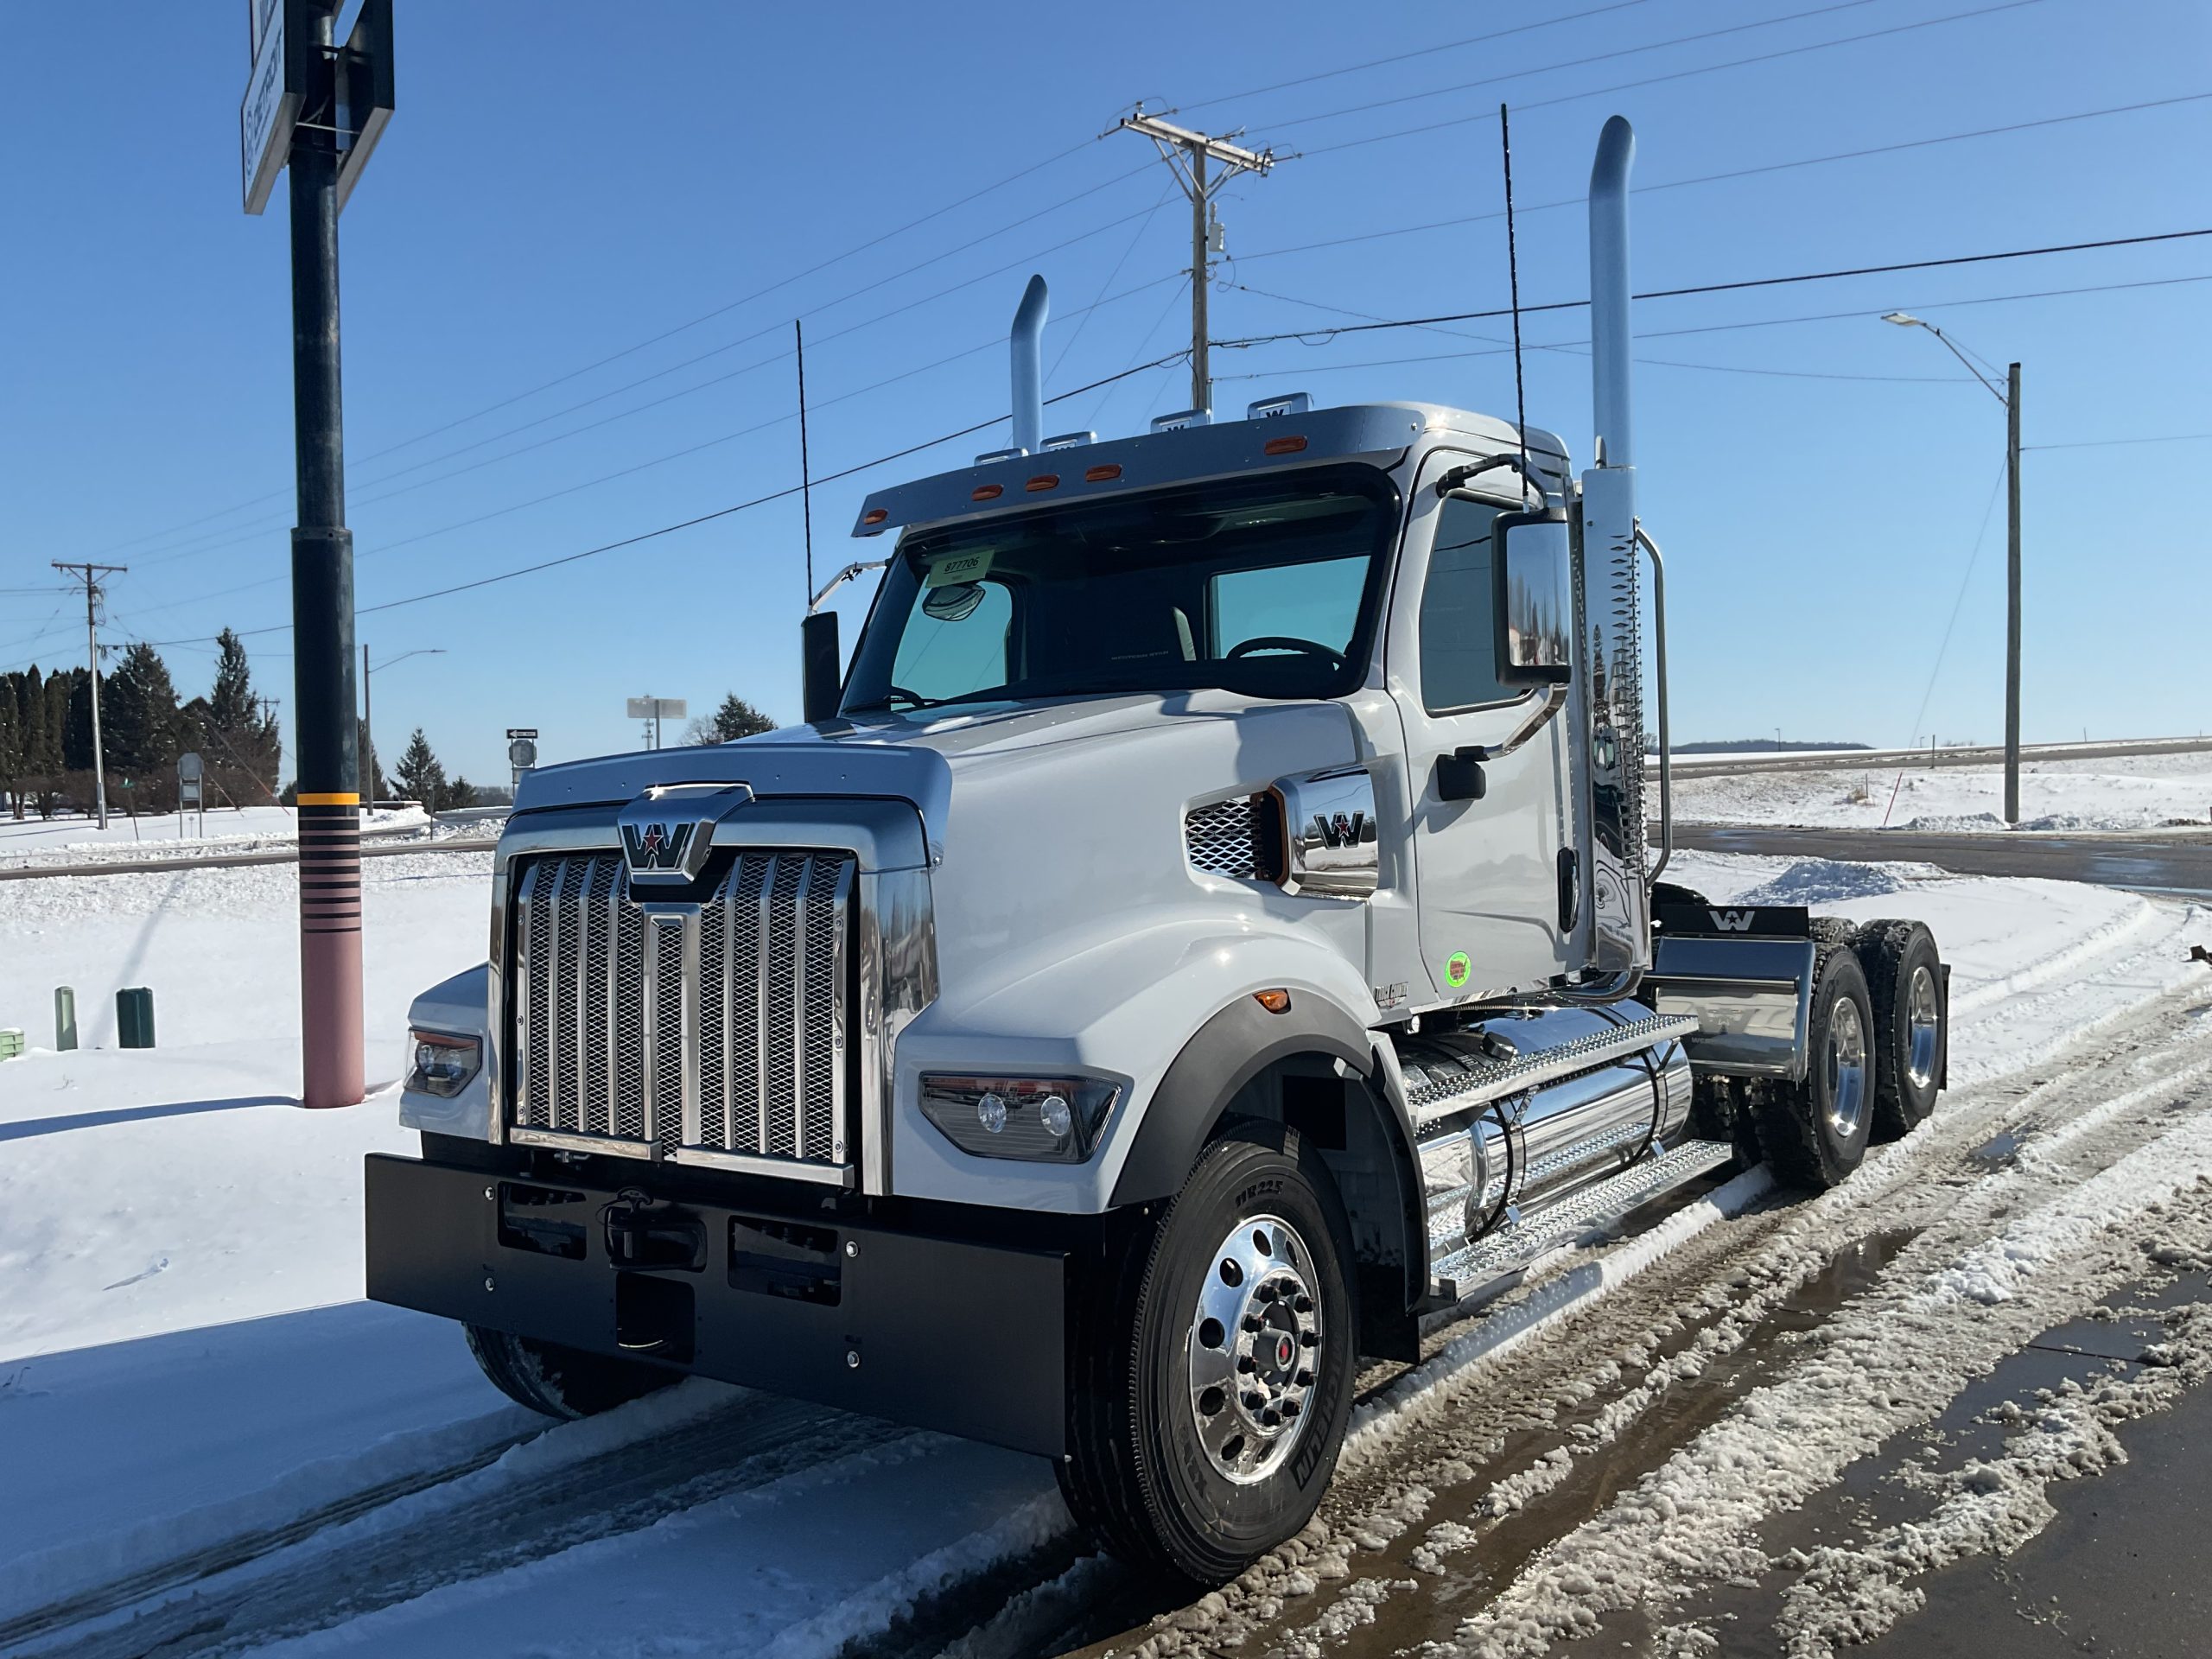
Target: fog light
1056 1120
441 1064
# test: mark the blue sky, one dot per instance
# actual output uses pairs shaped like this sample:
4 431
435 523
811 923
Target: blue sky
562 183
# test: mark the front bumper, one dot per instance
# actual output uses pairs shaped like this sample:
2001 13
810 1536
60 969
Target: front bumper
955 1334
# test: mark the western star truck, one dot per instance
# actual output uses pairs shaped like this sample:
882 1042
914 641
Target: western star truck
1209 928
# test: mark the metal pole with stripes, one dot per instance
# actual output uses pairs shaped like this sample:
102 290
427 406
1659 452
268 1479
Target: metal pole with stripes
315 108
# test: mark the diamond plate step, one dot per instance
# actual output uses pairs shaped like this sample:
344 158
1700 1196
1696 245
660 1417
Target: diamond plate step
1492 1266
1442 1078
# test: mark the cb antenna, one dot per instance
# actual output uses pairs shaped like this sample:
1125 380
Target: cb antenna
1513 278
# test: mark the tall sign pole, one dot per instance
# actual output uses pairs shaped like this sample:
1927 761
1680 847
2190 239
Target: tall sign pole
2012 594
316 109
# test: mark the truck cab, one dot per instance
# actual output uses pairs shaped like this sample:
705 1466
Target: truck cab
1206 930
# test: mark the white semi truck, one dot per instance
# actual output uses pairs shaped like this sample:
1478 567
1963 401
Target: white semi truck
1208 928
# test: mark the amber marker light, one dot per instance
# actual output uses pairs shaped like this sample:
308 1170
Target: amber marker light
1289 446
1043 481
1275 1001
986 492
1105 474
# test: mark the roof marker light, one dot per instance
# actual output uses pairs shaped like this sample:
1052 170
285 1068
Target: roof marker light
875 515
1043 481
986 492
1103 474
1289 446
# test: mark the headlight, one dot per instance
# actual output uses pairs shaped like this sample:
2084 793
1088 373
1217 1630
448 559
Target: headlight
441 1064
1053 1120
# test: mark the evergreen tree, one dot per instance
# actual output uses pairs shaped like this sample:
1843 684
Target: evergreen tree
419 775
736 718
11 748
69 705
374 786
140 724
240 745
458 793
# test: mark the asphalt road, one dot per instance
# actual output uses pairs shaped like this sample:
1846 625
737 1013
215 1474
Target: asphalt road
2176 862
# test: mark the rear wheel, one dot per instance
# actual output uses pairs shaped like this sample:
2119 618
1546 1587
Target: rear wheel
1213 1373
1904 985
1814 1133
560 1381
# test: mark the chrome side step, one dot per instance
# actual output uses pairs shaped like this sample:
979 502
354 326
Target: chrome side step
1494 1264
1455 1072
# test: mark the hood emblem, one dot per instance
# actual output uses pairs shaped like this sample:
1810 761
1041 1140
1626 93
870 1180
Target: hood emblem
667 832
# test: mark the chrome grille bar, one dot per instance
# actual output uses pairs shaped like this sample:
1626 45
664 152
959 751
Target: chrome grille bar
711 1033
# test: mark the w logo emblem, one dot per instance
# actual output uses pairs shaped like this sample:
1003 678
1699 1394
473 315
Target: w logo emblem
1733 921
656 845
1343 830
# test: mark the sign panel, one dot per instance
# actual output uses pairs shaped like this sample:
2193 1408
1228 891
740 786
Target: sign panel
658 708
275 88
522 731
364 96
522 753
190 766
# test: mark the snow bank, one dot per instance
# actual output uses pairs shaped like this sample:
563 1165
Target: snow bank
81 841
2133 792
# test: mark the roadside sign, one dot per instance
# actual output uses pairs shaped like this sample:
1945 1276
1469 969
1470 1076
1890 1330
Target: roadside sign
276 86
365 97
522 731
658 708
522 753
191 774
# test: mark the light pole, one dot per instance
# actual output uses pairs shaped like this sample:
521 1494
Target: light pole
368 726
2009 395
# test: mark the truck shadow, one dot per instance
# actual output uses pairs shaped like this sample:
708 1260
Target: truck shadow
30 1127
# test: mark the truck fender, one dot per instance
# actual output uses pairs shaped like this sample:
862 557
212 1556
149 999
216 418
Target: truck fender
1234 1046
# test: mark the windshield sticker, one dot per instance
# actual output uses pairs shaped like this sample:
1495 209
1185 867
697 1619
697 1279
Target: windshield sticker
1456 969
957 567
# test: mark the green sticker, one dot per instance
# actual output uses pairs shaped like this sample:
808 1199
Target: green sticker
1456 969
958 566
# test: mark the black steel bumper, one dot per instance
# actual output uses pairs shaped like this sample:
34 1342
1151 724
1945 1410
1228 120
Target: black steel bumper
945 1333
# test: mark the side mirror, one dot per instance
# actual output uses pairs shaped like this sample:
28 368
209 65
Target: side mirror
1534 606
821 667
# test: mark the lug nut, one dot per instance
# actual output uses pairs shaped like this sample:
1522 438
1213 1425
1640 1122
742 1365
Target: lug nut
1255 1400
1269 1419
1253 1322
1302 1304
1304 1379
1290 1408
1265 1293
1308 1340
1245 1365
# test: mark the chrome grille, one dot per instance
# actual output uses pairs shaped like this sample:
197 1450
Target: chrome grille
1223 839
713 1029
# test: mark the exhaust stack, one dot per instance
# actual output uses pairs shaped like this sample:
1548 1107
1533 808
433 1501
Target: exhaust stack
1609 684
1027 352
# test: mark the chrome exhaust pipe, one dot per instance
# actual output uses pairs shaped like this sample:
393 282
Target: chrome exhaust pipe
1027 344
1609 689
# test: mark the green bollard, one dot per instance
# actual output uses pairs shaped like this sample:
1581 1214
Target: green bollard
134 1018
65 1017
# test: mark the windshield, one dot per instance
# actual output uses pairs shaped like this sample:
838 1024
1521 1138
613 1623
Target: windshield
1268 588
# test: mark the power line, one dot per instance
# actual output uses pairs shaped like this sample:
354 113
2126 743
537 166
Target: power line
1568 63
705 517
1491 38
1678 74
1737 286
2106 443
1737 173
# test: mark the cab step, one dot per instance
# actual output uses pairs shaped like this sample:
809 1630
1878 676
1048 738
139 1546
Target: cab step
1449 1072
1492 1265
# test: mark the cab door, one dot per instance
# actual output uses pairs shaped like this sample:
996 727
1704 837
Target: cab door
1494 882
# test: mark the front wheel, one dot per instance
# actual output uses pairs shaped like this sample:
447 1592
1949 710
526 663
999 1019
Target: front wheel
564 1383
1214 1378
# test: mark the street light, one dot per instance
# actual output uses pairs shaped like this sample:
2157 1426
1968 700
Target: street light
368 726
2009 395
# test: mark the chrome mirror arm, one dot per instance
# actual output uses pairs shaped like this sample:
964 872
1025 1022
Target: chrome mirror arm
859 567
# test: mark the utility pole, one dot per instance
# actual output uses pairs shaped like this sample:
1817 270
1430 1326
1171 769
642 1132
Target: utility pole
1186 154
2012 594
90 575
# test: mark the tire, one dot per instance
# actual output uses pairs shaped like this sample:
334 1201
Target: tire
1163 1487
564 1383
1905 984
1814 1134
1668 893
1832 929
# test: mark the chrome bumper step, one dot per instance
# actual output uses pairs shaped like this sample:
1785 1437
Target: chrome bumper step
1496 1263
1448 1073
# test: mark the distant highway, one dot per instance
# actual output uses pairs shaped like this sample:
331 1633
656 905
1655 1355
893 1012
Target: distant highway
217 861
2178 862
1731 765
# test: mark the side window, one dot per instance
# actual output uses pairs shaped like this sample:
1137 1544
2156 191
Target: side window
963 652
1459 645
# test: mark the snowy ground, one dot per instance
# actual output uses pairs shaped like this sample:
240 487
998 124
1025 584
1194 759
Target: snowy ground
209 1440
2137 793
227 830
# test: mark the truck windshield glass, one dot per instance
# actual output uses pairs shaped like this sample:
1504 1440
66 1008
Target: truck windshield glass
1268 588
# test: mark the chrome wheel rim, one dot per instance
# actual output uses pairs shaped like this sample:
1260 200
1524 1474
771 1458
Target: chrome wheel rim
1255 1349
1922 1025
1845 1059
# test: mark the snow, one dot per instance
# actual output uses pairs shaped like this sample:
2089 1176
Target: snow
2134 793
80 840
179 1246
